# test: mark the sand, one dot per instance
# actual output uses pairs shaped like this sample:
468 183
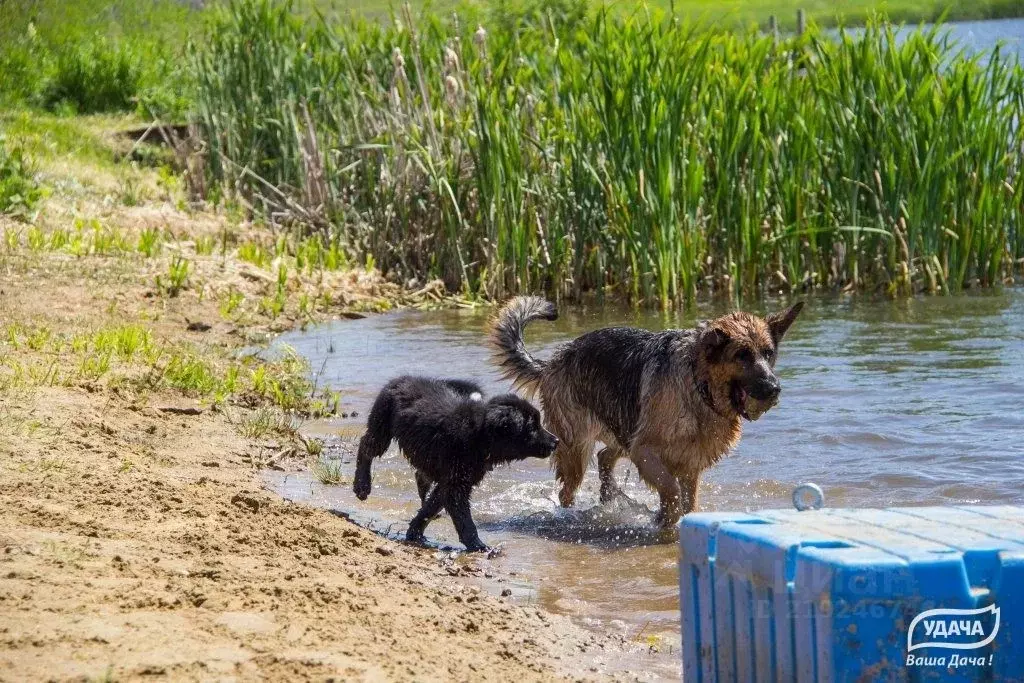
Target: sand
137 542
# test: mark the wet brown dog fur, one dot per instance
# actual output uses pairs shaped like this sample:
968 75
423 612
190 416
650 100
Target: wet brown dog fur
672 402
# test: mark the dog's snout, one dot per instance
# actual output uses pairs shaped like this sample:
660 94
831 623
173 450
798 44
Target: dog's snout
766 389
548 440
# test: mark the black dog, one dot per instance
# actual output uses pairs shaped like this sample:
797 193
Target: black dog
452 437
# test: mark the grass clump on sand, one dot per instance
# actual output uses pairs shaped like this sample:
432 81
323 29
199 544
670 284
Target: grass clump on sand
625 154
19 190
264 422
327 470
130 356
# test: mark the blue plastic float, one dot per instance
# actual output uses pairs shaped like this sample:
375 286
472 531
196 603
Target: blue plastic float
900 594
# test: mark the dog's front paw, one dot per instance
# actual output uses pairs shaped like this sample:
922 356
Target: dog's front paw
668 534
477 546
666 519
415 536
610 492
566 497
361 487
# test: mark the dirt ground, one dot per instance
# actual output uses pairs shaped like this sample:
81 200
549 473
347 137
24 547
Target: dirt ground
136 541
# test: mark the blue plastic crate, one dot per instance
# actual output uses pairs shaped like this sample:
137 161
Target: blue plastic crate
830 595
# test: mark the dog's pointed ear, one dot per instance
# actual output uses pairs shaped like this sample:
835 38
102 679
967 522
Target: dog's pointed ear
779 322
712 341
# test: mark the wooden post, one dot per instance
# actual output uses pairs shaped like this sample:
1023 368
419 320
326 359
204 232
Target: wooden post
773 26
801 22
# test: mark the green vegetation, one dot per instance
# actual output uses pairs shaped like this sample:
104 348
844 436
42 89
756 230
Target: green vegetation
125 55
729 13
175 279
850 12
632 156
93 77
266 421
95 56
19 191
557 148
81 139
299 276
130 355
327 470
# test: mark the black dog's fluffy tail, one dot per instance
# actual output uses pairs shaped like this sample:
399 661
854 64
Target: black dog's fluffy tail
374 442
506 336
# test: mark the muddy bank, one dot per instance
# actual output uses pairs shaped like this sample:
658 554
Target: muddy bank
136 539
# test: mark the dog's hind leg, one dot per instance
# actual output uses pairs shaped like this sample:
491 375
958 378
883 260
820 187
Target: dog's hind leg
570 460
422 486
374 442
431 507
573 452
457 505
606 459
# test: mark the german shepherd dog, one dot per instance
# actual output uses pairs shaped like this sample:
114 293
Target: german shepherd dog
452 438
670 401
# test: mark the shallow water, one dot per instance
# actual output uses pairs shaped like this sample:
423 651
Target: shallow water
884 403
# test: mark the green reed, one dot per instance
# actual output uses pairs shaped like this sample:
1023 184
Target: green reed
631 156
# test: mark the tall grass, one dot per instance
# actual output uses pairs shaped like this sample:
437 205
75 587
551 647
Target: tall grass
628 155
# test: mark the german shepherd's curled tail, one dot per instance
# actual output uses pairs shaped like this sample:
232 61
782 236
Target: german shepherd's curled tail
506 336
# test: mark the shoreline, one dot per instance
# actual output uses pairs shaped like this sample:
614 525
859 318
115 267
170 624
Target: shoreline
138 539
638 644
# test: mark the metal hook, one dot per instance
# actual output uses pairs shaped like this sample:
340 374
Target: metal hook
808 497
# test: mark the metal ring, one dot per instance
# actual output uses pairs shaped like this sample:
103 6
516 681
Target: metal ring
808 497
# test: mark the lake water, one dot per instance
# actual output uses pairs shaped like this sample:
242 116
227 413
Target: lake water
912 402
977 36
